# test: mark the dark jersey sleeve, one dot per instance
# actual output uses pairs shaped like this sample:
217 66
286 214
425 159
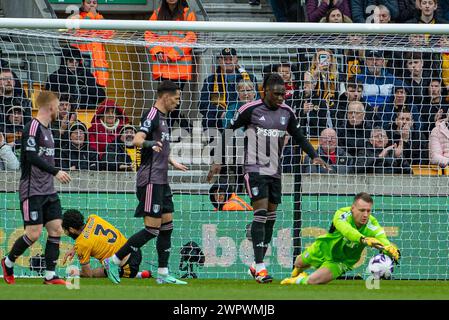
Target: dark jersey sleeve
294 130
30 146
241 119
148 125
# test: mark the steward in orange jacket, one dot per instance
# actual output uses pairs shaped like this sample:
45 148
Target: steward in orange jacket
171 62
100 65
223 201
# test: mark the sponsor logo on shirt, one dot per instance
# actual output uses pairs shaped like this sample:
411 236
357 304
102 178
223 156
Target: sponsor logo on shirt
271 132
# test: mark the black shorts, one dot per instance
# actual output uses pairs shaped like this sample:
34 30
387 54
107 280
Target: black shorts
261 187
131 267
41 209
154 200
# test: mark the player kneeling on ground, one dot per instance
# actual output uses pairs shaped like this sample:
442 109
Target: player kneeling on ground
99 239
353 228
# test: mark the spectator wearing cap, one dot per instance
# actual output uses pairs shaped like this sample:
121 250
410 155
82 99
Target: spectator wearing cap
8 160
427 13
317 10
220 89
8 97
76 154
335 156
107 123
378 83
14 127
122 155
401 130
434 107
363 10
75 79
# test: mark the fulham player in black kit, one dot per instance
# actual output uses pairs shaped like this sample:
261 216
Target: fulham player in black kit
266 124
39 202
154 194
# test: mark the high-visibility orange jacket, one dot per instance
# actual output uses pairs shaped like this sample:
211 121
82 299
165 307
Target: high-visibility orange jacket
177 64
235 203
100 64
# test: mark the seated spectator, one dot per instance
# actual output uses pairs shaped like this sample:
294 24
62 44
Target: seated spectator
382 14
220 89
14 127
66 118
335 156
223 200
334 15
378 83
381 156
414 144
107 122
317 10
400 102
354 130
352 59
122 155
8 94
76 154
439 143
8 160
426 13
246 93
434 107
363 10
76 80
352 93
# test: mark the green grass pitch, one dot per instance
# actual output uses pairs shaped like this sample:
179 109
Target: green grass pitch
200 289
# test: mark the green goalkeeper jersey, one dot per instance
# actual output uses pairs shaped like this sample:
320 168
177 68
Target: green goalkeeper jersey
342 242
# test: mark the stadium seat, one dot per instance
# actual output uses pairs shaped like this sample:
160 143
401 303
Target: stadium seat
428 170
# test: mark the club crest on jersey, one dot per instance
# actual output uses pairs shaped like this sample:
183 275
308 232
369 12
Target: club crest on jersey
33 215
31 142
283 120
156 208
147 123
255 191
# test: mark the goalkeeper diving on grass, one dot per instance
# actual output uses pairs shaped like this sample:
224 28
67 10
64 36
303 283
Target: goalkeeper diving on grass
333 254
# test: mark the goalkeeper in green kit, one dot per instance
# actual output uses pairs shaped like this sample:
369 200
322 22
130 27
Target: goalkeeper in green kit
353 228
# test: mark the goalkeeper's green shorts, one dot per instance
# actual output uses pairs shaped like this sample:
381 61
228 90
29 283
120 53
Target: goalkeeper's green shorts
316 259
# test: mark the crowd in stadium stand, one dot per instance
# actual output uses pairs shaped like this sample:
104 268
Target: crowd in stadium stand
371 111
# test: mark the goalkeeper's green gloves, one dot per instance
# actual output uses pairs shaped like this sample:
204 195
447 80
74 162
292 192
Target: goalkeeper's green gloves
372 242
393 252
